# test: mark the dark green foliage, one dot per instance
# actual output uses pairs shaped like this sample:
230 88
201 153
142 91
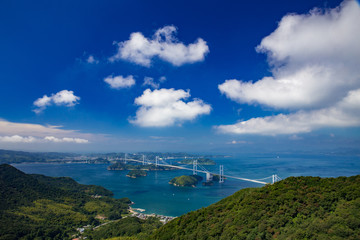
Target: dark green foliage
36 206
18 188
198 177
130 226
136 173
216 178
295 208
69 184
186 181
150 167
201 161
98 160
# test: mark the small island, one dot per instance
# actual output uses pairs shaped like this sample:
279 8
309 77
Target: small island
186 181
201 161
150 167
136 173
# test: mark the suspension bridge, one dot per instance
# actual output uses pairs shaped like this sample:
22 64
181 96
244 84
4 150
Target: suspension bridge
197 168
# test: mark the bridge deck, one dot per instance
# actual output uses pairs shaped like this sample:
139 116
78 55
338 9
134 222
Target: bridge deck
202 171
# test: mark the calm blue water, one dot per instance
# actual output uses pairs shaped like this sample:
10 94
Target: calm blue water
154 194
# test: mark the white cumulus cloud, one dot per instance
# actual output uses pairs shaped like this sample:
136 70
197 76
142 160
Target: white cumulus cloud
29 132
149 81
31 139
91 59
164 45
167 107
62 98
315 74
343 114
118 82
237 142
65 140
17 139
314 58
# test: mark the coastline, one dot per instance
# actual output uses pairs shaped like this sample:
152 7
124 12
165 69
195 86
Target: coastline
138 212
154 194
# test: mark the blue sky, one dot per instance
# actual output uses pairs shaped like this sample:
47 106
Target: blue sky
197 76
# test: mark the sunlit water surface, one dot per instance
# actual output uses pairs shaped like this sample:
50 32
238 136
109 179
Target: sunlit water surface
154 194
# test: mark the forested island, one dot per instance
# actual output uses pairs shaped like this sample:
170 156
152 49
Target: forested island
201 161
136 173
119 166
186 181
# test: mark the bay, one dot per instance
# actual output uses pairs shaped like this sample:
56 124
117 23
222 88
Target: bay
155 195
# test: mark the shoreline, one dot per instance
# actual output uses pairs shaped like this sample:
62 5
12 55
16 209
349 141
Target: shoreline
138 212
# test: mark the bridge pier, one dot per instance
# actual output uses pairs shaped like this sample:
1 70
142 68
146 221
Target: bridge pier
157 161
209 177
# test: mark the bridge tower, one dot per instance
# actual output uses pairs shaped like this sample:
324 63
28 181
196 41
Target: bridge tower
221 175
195 167
275 178
156 161
125 158
143 160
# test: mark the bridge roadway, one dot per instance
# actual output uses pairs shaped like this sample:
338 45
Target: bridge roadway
202 171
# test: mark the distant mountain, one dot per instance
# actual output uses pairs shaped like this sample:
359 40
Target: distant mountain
8 156
51 208
295 208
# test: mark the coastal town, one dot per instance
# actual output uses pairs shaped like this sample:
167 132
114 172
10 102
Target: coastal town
138 212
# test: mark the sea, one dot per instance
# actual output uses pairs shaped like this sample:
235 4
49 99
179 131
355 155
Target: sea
154 194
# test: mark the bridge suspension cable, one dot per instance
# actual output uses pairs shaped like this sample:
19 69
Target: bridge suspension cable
264 178
195 167
275 178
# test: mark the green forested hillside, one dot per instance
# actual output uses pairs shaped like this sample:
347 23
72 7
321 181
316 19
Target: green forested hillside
40 207
8 156
295 208
69 184
36 206
128 228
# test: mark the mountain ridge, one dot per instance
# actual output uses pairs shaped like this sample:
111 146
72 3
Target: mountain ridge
294 208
